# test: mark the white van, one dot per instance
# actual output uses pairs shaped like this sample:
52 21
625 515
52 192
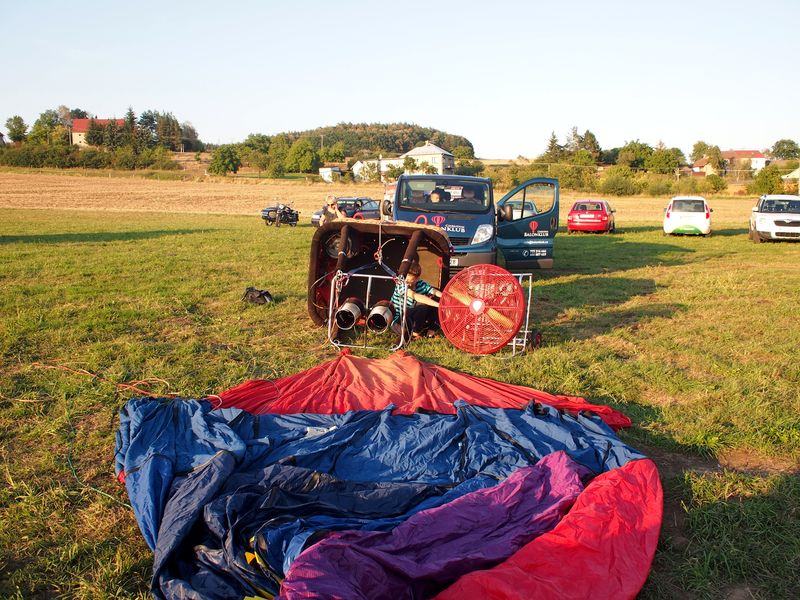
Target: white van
687 215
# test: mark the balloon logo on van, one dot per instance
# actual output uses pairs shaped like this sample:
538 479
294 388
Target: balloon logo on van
534 226
438 220
421 219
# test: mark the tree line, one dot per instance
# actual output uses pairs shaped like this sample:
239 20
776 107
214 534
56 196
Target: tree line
143 142
306 151
579 163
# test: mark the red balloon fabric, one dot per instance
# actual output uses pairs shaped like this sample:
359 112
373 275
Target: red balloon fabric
602 548
350 382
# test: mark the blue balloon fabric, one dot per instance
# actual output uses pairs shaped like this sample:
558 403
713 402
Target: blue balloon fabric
228 500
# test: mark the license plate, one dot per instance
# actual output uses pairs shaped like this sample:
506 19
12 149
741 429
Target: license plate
453 262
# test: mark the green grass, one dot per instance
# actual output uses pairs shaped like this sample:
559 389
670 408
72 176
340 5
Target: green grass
696 339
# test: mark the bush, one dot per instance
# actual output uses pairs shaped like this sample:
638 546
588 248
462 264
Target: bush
124 158
767 181
658 186
94 159
716 183
618 181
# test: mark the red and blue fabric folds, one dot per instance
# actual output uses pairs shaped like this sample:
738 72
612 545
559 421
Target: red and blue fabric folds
516 501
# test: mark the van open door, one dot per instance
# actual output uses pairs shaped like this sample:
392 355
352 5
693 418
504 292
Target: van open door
527 222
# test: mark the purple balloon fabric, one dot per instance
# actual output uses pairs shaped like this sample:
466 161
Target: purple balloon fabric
430 550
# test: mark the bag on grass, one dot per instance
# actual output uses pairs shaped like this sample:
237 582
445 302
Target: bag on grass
255 296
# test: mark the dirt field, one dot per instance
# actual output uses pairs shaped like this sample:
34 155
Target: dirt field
22 190
249 196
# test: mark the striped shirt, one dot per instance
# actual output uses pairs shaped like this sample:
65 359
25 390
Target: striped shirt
420 287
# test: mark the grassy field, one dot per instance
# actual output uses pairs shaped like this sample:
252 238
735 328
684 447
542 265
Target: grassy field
695 339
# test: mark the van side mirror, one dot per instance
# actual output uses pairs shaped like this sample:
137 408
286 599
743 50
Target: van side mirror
755 209
505 213
386 208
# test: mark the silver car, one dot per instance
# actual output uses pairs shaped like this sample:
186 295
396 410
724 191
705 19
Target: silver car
775 217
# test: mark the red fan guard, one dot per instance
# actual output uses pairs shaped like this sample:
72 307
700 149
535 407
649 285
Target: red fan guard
481 309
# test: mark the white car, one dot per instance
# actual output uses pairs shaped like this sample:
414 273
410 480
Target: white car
776 217
687 215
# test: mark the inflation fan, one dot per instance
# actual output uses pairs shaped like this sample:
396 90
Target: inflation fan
482 309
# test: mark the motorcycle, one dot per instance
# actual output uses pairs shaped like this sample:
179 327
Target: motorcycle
281 214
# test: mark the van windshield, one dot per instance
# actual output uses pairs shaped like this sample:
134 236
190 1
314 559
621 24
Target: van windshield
446 195
688 206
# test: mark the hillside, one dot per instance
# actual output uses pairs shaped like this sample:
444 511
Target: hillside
368 139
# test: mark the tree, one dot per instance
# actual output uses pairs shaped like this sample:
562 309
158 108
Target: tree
128 133
463 153
589 142
64 116
427 168
662 161
278 149
393 172
44 129
189 138
17 129
225 160
111 135
554 152
258 142
333 152
634 154
78 113
302 157
94 133
699 150
767 181
409 164
786 149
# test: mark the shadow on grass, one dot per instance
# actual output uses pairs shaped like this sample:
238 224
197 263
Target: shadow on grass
97 236
608 253
588 306
730 232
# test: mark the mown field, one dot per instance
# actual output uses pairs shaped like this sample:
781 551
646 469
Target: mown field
696 339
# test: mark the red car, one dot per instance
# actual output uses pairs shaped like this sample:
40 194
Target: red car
591 215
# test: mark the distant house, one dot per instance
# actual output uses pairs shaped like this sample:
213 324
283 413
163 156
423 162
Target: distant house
703 167
747 159
328 173
81 126
793 175
439 158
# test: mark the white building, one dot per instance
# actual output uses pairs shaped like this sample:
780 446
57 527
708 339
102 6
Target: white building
431 154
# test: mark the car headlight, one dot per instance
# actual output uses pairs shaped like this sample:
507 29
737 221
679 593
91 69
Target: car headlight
483 233
762 221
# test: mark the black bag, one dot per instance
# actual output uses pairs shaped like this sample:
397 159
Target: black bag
255 296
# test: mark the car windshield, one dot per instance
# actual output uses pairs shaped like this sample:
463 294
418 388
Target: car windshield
588 206
448 195
688 206
780 206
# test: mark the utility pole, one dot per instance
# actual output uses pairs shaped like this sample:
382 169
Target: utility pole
321 141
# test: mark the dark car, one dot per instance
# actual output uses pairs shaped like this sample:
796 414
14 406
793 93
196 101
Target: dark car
358 208
591 215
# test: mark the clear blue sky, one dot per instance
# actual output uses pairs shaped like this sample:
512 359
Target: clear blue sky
503 74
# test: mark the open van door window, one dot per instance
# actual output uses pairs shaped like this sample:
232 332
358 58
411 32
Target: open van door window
527 239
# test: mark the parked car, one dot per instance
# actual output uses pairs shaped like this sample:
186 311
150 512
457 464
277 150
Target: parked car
358 208
776 217
687 215
591 215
